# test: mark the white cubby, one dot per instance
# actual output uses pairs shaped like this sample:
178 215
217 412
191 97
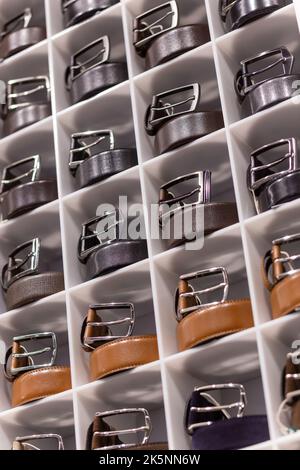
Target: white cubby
254 357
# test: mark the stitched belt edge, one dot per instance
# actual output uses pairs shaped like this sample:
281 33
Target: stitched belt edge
285 296
243 12
75 14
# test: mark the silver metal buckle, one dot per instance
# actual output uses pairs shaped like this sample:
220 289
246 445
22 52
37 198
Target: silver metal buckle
164 105
245 79
26 444
18 22
150 24
92 239
202 189
127 320
293 356
13 371
146 428
14 97
81 63
226 6
206 391
286 260
21 262
86 144
10 178
196 294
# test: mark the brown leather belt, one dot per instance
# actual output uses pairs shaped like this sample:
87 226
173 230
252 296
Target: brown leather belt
289 412
109 356
31 382
200 321
280 279
34 442
19 40
104 437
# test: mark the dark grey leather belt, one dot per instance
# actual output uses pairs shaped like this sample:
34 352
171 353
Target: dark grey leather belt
87 79
76 11
236 14
175 119
274 179
214 426
18 197
158 37
21 281
19 113
258 95
17 35
93 157
103 252
179 209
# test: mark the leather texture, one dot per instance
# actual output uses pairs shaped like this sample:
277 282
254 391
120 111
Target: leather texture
175 42
82 10
187 128
17 41
104 165
32 288
26 197
122 354
97 79
24 117
40 383
285 296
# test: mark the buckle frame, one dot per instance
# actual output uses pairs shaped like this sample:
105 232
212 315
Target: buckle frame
12 96
25 441
34 173
15 264
284 259
216 406
141 27
225 6
130 320
203 188
147 428
244 80
181 313
83 251
86 149
13 25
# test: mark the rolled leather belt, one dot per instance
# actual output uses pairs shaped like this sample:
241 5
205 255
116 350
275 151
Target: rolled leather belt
242 12
204 324
97 440
24 117
291 395
36 383
30 442
222 433
17 41
268 92
80 10
282 284
112 356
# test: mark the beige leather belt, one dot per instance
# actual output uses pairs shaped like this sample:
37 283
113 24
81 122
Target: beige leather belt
288 416
199 322
111 354
30 381
281 277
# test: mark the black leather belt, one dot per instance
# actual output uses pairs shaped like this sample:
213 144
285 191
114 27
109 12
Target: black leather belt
175 119
76 11
93 157
17 35
89 78
180 208
288 416
274 179
103 252
17 197
22 281
158 37
236 14
213 426
258 95
19 113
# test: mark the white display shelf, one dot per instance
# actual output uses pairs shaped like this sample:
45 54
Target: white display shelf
254 357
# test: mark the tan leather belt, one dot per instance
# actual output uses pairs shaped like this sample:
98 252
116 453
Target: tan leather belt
199 322
281 277
288 416
111 354
103 436
32 382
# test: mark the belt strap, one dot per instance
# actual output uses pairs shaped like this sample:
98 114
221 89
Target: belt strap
26 197
32 288
214 322
187 128
176 42
81 10
23 117
19 40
